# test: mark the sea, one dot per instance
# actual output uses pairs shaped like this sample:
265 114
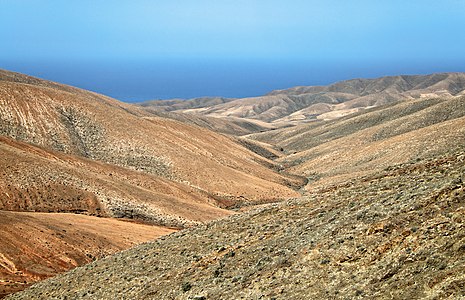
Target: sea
142 80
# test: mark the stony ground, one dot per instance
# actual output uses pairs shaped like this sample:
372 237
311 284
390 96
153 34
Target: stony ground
398 234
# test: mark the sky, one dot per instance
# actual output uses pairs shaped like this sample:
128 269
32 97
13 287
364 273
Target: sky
140 50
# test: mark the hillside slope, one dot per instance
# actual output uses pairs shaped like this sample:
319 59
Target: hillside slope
93 126
382 214
394 235
367 142
36 246
305 104
35 179
66 150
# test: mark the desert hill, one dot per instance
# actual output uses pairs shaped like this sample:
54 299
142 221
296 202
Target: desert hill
397 234
67 150
178 104
228 125
367 142
306 104
100 128
381 215
35 179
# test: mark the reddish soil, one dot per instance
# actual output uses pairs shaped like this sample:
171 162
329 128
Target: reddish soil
36 246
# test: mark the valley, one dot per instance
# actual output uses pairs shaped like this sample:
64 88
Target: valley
345 191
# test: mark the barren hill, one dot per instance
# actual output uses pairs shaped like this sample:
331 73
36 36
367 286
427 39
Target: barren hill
381 215
305 104
100 128
36 246
178 104
367 142
36 179
173 109
394 235
66 150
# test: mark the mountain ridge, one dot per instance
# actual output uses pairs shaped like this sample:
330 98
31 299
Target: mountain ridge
309 103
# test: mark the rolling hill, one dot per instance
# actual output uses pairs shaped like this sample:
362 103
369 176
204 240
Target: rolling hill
69 151
397 234
309 103
372 181
367 142
91 126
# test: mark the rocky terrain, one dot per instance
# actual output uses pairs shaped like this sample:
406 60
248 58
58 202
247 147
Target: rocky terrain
309 103
363 197
398 234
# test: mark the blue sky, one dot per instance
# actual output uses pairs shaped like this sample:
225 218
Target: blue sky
295 42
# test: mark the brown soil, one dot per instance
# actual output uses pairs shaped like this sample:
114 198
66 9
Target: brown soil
66 150
367 225
36 246
100 128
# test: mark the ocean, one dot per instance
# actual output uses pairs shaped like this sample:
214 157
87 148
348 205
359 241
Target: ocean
137 80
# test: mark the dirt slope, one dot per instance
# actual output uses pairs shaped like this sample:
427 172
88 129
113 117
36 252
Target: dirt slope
63 149
367 142
35 179
36 246
382 218
395 235
96 127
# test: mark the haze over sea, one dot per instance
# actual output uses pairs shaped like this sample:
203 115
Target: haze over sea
141 50
135 81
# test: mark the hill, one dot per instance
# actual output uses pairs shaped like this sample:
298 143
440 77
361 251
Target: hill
394 235
229 125
36 246
381 214
178 104
99 128
310 103
370 141
66 150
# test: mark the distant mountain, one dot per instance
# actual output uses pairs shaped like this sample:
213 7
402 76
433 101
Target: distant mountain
229 125
177 104
305 104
